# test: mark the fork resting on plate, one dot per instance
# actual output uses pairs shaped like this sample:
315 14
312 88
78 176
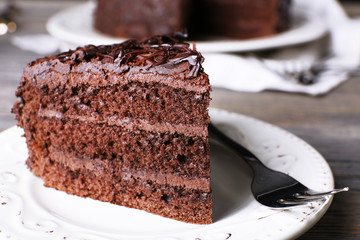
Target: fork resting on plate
272 188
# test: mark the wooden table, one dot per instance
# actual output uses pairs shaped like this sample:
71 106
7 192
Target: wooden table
330 123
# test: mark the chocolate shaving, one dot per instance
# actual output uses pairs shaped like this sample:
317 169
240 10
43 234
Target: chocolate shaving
168 51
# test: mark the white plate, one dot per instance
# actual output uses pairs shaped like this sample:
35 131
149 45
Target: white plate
74 27
34 212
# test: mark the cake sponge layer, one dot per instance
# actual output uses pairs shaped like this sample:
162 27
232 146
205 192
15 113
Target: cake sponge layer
150 102
116 147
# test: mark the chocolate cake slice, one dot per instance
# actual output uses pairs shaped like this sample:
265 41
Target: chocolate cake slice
124 123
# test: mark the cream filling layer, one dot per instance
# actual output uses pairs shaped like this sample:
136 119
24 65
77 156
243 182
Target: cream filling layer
94 165
131 123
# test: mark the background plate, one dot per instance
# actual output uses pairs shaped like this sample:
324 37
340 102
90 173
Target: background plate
34 212
74 26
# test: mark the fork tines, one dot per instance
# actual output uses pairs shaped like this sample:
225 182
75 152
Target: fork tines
310 196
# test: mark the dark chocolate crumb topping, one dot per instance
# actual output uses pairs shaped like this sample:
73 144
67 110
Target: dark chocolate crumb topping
165 51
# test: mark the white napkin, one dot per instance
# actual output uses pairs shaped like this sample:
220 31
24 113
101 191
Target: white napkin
244 74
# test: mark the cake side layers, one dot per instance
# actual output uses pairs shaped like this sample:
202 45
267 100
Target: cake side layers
101 167
110 181
131 123
192 206
91 179
119 148
151 102
152 107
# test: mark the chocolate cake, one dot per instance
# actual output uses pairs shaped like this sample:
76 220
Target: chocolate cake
239 19
124 123
140 18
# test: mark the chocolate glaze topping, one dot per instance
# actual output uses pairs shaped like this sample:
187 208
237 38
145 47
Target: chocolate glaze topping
163 53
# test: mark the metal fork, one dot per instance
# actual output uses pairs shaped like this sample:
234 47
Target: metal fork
269 187
311 74
304 72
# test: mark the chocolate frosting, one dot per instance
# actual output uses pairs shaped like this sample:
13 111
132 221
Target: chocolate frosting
161 54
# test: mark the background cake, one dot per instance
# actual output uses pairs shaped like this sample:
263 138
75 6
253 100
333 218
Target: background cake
240 19
141 18
124 123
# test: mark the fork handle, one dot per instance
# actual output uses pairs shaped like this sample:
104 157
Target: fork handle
265 174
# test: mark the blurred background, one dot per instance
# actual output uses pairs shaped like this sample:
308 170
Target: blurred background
330 123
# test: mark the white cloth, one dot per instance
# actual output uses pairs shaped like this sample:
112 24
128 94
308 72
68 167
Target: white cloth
244 74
